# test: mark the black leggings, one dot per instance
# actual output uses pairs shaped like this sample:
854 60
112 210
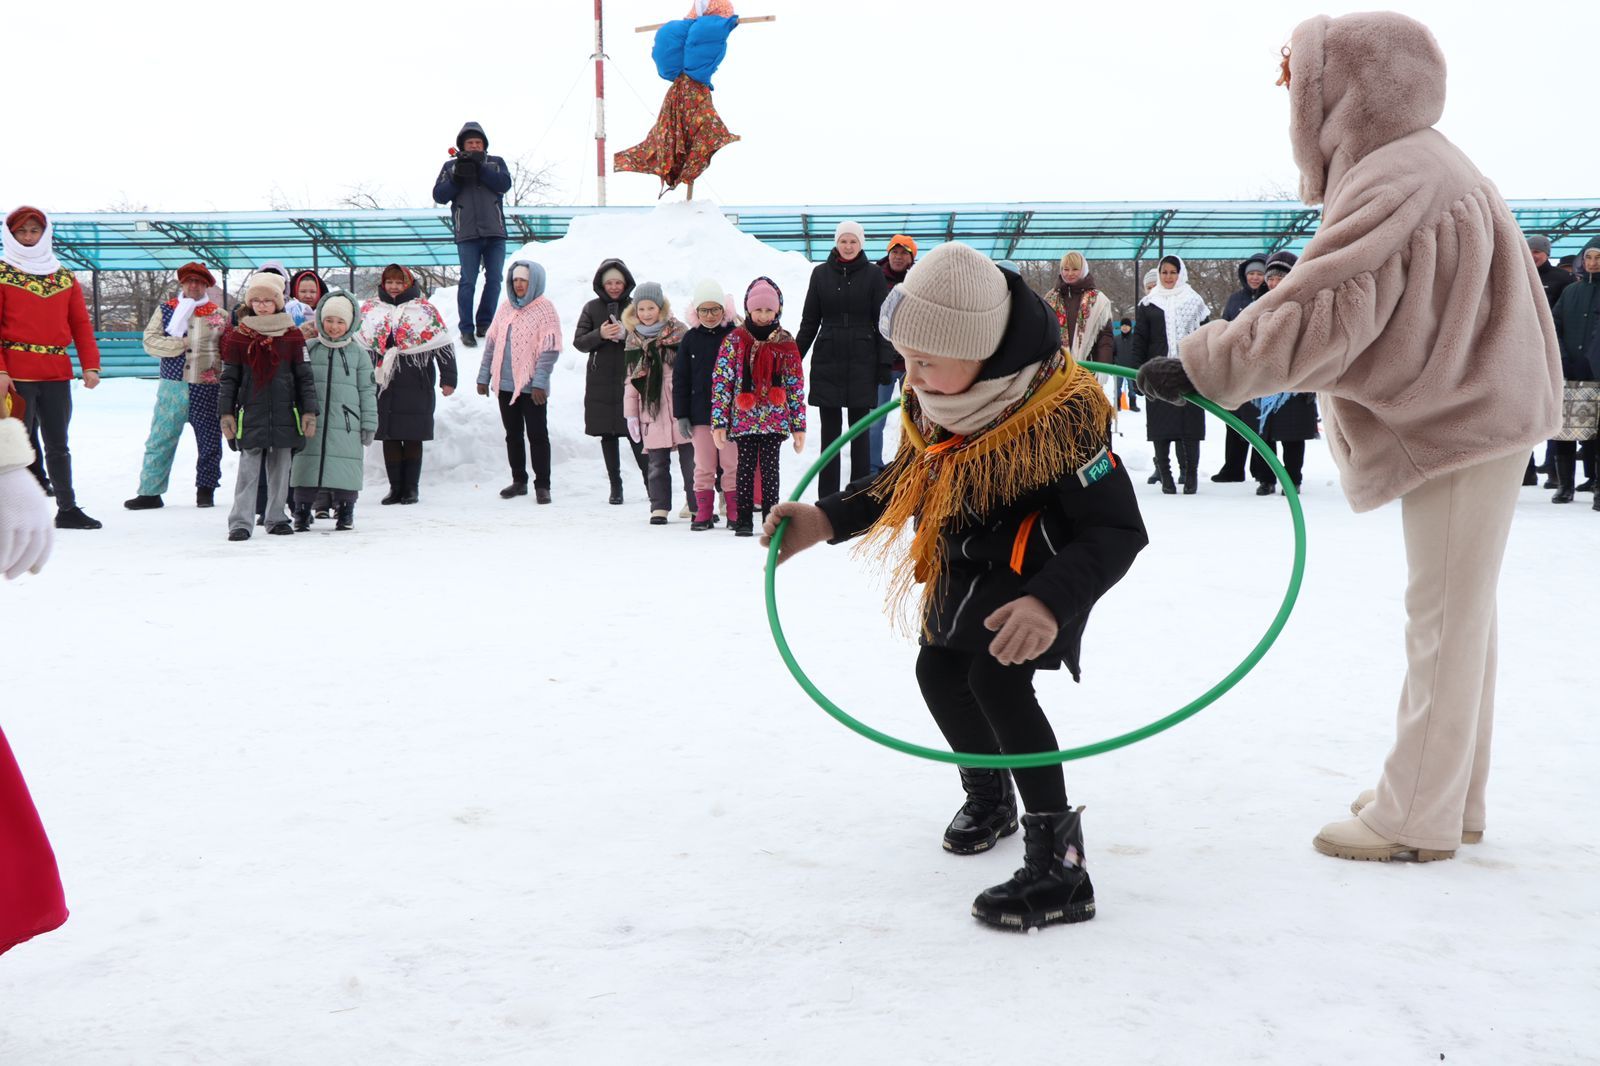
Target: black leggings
521 415
986 708
613 458
860 449
758 449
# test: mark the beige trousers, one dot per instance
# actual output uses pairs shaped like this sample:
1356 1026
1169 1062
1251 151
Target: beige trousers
1433 780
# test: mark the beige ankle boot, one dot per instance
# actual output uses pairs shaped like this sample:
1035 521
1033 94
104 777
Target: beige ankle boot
1354 839
1468 836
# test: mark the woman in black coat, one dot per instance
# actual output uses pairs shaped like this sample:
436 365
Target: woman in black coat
1167 314
851 359
1252 286
600 334
1285 422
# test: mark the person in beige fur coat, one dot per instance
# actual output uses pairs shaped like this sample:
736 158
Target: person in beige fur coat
1418 316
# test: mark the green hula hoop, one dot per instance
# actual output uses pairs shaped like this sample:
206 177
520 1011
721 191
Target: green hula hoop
1048 758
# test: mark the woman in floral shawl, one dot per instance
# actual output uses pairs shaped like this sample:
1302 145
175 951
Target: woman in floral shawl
407 337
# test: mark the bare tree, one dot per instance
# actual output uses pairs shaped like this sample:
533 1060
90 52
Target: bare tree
531 185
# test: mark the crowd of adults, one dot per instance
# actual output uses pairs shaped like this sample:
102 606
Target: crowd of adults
850 369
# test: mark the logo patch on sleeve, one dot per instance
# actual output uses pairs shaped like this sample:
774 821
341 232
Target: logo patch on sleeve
1096 468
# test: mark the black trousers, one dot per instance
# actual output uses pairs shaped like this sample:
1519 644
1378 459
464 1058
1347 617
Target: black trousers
48 415
758 450
1294 461
1234 448
986 708
860 449
520 415
613 457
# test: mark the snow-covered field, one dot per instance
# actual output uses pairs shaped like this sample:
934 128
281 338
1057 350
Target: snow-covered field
486 782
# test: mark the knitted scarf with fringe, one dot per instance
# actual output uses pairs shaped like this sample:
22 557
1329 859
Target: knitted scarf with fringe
1060 423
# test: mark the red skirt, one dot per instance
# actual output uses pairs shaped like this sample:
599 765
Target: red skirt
31 900
686 135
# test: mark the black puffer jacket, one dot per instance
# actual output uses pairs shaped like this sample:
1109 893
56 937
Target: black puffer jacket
691 374
1555 280
268 417
602 381
475 197
406 403
1577 316
1087 532
1162 421
841 318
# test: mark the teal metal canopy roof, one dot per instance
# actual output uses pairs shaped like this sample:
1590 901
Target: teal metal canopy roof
1111 230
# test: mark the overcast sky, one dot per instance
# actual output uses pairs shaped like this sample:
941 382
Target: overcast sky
840 101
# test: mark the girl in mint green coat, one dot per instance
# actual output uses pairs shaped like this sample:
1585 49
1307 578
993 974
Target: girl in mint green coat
342 369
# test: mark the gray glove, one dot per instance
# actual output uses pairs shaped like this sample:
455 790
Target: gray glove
367 436
1165 379
685 429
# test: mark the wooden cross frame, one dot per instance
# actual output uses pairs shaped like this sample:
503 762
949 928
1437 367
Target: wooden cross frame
742 21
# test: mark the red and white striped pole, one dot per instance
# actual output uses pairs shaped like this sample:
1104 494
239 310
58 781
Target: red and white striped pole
599 104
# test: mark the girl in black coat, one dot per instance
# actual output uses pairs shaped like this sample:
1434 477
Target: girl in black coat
691 401
1167 314
408 340
600 333
1023 519
851 359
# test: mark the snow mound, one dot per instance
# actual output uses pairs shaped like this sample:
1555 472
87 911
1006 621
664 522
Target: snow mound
675 245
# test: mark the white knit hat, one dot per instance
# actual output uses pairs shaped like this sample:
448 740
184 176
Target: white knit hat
850 226
954 303
708 291
338 306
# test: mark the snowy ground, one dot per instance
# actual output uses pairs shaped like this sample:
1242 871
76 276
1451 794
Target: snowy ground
485 782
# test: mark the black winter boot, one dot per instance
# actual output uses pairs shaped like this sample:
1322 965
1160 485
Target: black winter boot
302 517
397 486
347 517
1566 477
205 497
143 503
1530 476
989 813
1164 474
412 476
1189 456
1052 888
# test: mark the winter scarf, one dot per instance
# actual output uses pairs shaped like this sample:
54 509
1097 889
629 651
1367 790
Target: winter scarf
406 322
650 350
761 365
1182 307
891 275
1268 406
529 328
40 259
1092 314
1055 421
261 356
183 309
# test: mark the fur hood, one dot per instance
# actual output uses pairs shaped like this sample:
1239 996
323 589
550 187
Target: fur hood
1356 84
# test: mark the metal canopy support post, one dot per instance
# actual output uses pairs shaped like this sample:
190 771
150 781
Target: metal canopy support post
94 276
1302 224
319 235
805 233
1018 225
599 60
1156 234
180 234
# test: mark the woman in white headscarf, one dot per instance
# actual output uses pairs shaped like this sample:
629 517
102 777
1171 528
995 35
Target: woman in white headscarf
1168 313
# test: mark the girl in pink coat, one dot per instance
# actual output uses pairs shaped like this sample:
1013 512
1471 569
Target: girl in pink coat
651 348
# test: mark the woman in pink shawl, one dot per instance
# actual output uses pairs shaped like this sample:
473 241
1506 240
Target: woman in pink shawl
521 349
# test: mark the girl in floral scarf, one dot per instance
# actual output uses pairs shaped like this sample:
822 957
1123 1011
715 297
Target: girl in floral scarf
651 348
408 339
